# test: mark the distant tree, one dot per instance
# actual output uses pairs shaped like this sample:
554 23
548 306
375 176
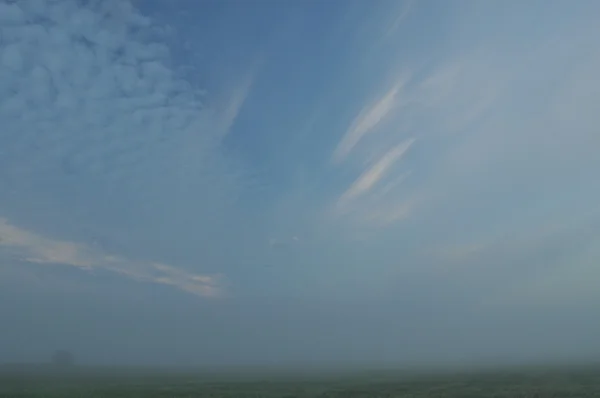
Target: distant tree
63 358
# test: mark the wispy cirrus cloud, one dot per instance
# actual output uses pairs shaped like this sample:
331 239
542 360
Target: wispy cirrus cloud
400 16
367 121
29 247
470 142
373 175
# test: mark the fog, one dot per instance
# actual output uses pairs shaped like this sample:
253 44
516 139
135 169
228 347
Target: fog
159 329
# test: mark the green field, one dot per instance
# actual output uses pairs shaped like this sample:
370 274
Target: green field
576 383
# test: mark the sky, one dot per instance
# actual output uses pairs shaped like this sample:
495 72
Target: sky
343 182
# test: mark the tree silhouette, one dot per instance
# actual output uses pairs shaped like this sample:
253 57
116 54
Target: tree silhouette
63 358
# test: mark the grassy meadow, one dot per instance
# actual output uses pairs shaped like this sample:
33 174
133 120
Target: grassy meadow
129 383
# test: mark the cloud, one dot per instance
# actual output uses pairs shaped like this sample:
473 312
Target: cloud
505 143
367 120
29 247
105 137
388 145
480 119
477 129
369 178
436 106
389 213
236 97
101 126
376 172
402 14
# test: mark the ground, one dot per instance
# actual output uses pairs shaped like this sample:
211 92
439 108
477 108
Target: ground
84 383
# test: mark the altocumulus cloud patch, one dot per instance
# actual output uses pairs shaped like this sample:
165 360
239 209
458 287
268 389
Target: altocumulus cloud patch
98 129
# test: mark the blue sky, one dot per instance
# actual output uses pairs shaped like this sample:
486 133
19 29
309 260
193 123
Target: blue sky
272 163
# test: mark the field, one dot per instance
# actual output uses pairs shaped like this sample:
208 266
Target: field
576 383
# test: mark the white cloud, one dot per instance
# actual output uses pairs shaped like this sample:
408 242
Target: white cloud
507 141
441 104
100 132
493 118
401 14
367 120
388 214
30 247
368 179
236 98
